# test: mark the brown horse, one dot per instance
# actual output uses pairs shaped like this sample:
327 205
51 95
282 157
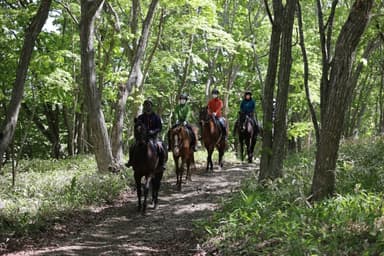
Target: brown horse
145 164
180 144
212 136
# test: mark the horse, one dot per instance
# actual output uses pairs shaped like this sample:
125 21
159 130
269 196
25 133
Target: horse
247 131
212 136
180 144
145 164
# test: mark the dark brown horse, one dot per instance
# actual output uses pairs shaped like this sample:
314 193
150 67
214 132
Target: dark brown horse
145 164
180 144
247 130
212 136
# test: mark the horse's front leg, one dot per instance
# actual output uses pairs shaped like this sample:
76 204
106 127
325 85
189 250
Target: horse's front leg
156 181
188 176
209 159
146 190
138 190
251 149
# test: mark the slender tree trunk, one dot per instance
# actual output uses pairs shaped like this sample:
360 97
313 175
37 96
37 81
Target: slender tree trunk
70 136
306 74
280 130
340 90
135 79
99 134
9 124
274 49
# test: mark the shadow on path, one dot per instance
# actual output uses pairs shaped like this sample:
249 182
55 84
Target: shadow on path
168 230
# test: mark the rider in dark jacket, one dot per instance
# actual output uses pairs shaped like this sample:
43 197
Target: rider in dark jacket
154 125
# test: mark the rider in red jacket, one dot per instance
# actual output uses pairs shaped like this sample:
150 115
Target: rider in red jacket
215 106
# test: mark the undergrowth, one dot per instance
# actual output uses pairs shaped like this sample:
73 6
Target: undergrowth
47 189
277 219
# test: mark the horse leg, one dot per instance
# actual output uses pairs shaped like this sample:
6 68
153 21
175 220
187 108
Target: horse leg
253 144
146 190
209 160
221 149
138 190
177 171
155 188
189 177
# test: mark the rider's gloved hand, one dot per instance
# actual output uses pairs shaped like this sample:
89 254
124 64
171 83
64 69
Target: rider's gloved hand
185 123
214 113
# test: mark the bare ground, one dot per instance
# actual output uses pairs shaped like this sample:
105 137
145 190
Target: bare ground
119 229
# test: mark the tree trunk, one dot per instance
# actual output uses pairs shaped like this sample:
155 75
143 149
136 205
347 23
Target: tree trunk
9 124
274 49
340 90
306 74
280 128
99 134
135 79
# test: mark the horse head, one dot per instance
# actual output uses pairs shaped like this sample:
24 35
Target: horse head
203 114
176 139
140 131
244 119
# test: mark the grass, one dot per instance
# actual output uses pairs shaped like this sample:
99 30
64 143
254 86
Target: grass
46 189
277 219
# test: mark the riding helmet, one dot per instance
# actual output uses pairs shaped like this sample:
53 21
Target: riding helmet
148 102
215 91
247 93
183 96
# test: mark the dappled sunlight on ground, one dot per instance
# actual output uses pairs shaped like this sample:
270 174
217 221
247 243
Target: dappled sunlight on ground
168 230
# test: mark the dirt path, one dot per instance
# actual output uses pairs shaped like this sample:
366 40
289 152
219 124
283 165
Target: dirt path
120 230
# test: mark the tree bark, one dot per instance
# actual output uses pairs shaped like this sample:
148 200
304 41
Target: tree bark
269 87
135 79
280 128
99 134
9 124
340 90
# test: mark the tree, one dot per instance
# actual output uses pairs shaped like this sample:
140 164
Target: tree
12 114
280 49
335 96
99 134
134 80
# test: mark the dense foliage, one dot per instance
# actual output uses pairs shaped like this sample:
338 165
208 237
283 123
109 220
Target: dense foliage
277 219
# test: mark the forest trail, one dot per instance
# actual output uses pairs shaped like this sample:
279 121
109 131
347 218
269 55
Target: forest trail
120 230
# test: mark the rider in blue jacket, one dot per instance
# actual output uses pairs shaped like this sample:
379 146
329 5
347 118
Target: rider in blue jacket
247 105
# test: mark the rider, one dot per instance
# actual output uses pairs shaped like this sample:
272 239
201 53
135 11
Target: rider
247 106
183 115
153 123
215 106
